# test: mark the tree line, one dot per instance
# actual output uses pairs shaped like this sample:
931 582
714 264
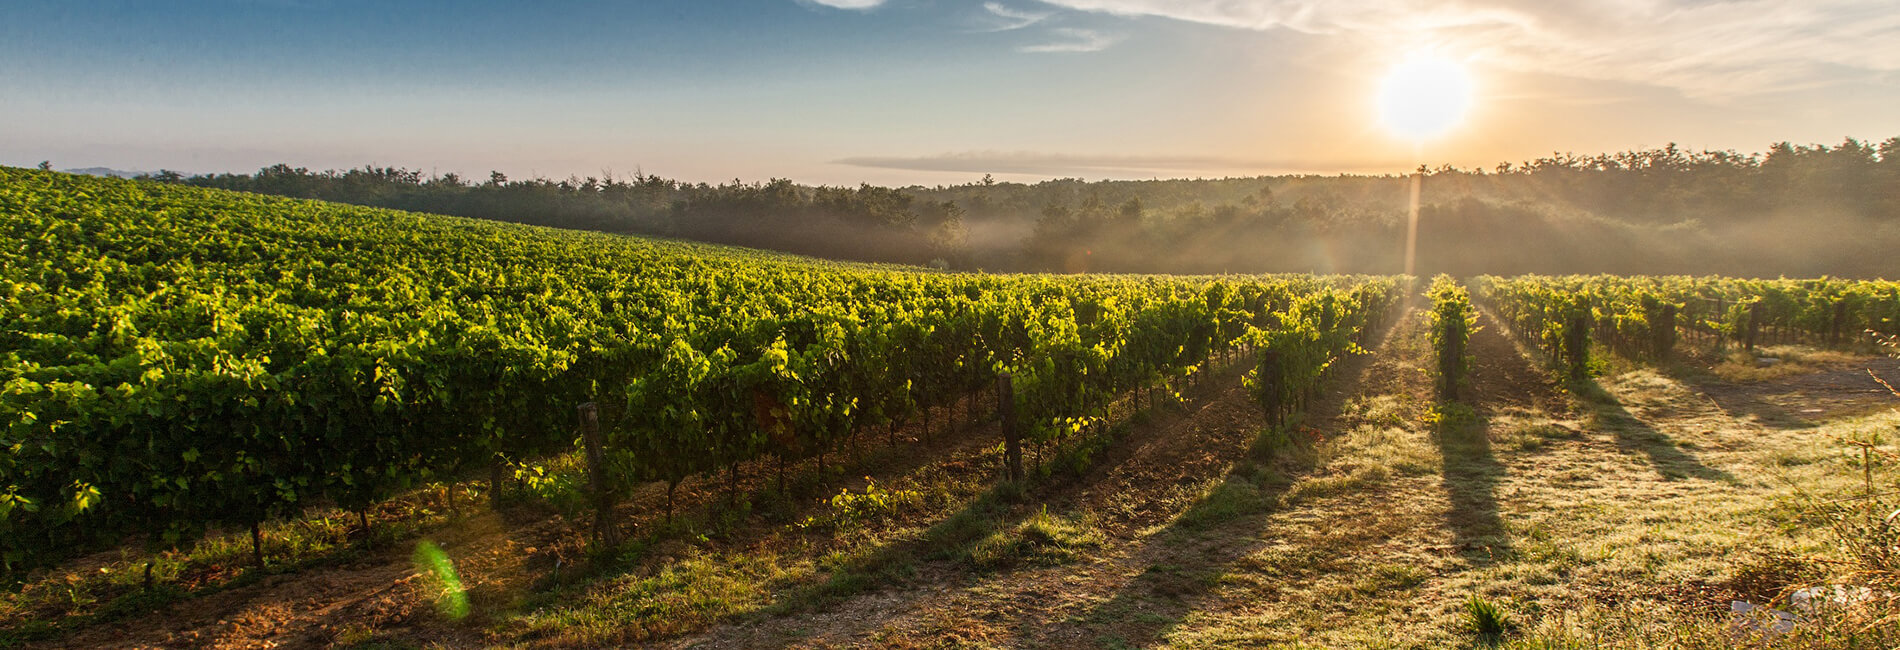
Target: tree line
1792 210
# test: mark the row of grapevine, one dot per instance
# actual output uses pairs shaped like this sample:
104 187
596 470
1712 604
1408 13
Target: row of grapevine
1293 354
1644 317
1451 327
176 358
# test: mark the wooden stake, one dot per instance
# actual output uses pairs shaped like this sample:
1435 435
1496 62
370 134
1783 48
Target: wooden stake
1012 440
605 531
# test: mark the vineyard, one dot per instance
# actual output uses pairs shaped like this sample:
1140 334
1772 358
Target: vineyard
1644 318
1196 461
181 358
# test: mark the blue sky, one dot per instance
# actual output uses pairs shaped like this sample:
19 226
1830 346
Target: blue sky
917 91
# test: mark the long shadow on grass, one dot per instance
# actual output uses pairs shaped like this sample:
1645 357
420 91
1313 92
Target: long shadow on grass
1669 459
1632 433
997 529
1472 473
699 569
1003 529
1221 533
1823 393
1739 402
1502 380
1183 563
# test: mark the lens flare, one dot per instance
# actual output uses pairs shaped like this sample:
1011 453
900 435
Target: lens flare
439 571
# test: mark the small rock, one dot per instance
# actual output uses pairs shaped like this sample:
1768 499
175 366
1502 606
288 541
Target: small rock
1752 618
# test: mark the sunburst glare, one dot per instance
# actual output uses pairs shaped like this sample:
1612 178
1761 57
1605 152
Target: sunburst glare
1424 97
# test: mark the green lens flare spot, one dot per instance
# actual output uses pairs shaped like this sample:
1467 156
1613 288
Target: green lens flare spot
442 582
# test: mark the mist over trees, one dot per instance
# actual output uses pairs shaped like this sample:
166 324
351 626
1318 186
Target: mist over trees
865 223
1793 210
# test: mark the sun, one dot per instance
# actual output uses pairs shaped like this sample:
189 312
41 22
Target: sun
1424 96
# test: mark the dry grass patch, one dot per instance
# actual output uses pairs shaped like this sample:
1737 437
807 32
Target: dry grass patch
1775 362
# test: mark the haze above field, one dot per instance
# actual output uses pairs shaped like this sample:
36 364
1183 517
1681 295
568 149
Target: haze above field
896 92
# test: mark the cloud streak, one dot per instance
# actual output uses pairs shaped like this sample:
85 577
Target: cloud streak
1702 48
1058 164
1007 19
1072 40
858 5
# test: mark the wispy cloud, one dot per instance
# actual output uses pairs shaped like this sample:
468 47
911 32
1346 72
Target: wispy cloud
1727 48
860 5
1005 18
1073 39
1057 164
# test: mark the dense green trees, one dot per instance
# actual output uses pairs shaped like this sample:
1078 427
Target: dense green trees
1795 210
865 223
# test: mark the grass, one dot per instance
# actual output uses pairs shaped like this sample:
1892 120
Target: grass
1042 539
1743 367
685 594
1625 521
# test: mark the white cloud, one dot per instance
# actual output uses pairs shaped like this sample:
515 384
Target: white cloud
860 5
1006 19
1073 39
1704 48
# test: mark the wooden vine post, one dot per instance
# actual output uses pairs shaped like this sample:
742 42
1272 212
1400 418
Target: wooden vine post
1839 325
1269 378
1451 365
1721 316
1012 439
257 544
1664 331
1754 325
1577 346
605 532
494 483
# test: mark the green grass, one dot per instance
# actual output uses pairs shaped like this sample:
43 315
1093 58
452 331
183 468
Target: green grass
1041 539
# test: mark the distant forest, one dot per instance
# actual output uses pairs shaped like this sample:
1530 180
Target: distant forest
1794 210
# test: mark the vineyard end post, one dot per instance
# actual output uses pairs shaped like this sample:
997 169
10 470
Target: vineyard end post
1754 324
604 529
1269 376
1721 317
1577 346
1839 325
1666 333
1012 439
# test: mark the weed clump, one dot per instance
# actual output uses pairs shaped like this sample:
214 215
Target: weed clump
1042 538
1486 619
